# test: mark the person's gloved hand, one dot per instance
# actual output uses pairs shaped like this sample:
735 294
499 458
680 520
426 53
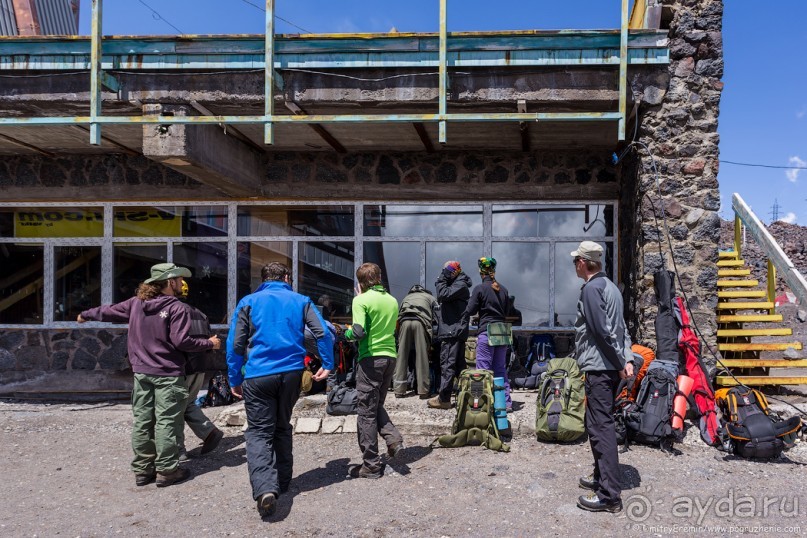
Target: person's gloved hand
448 273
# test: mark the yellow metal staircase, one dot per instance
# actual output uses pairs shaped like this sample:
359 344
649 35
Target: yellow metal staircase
741 301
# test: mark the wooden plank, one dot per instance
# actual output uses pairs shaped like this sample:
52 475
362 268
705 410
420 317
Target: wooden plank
748 305
763 363
761 380
742 294
733 272
737 283
777 331
727 254
730 263
759 346
764 318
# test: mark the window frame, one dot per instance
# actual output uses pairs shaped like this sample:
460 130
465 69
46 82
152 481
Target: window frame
108 241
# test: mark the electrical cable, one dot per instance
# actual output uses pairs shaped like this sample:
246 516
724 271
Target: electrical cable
157 17
256 6
765 165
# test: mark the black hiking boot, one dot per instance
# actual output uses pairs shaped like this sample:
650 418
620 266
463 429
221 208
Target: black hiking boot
267 504
588 482
145 479
360 471
592 503
212 441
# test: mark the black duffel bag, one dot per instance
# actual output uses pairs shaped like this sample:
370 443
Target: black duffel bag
342 400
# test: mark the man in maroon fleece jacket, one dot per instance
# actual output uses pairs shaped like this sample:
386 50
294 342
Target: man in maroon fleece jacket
159 337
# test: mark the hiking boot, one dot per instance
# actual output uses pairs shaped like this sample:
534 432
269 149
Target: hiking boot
588 482
400 395
212 441
360 471
424 396
437 403
393 449
592 503
267 504
145 479
180 474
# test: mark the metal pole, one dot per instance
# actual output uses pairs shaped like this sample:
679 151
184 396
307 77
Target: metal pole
623 70
443 83
268 79
95 73
738 230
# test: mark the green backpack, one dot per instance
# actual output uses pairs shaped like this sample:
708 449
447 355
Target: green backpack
475 424
561 405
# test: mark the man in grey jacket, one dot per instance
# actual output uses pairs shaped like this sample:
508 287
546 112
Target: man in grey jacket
600 352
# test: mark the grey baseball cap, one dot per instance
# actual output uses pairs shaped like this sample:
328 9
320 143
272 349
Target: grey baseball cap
588 250
164 271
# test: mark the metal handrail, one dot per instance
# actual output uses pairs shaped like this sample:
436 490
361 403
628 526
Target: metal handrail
97 77
777 259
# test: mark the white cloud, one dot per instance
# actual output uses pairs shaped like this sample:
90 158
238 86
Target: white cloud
801 113
793 173
790 218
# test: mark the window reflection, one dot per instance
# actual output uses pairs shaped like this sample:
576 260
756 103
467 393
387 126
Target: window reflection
523 268
147 221
567 283
35 222
295 220
132 265
467 253
251 259
399 262
207 289
422 220
586 220
78 281
325 269
21 277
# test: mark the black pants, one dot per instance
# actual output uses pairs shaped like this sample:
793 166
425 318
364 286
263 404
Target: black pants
268 401
601 390
373 378
452 363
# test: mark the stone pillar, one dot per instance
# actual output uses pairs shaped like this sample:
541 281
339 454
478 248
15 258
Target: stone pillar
679 111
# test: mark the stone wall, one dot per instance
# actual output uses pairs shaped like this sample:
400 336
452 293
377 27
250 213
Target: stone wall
678 125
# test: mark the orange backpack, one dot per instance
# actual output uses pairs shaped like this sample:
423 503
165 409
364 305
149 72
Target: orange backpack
648 355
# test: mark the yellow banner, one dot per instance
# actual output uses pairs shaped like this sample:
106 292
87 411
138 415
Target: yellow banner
89 222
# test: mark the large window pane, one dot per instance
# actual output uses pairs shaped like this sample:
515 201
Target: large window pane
147 222
523 268
325 272
21 277
399 262
251 259
78 281
52 222
422 220
204 221
132 265
208 286
437 253
585 220
334 220
567 283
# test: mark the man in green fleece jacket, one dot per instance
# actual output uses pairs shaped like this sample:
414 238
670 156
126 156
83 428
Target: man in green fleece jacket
375 313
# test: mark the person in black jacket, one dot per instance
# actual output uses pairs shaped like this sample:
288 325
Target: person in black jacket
491 301
453 291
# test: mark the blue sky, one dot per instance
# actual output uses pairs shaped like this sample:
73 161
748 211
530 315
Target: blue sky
763 116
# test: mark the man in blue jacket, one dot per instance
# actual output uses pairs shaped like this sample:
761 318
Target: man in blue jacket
265 354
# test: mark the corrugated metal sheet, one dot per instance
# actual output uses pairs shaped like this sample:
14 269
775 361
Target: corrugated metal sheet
56 17
8 22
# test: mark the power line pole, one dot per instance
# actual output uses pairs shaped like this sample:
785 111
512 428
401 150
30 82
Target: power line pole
774 212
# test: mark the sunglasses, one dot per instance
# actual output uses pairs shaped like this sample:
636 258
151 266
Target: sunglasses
576 260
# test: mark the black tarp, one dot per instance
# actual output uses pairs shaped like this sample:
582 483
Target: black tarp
666 325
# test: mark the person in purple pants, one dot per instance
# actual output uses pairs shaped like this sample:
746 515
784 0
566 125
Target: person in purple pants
491 301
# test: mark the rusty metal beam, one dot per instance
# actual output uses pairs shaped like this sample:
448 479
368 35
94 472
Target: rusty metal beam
27 18
27 146
317 128
424 137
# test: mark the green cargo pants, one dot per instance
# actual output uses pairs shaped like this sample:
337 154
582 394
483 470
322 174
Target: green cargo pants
158 404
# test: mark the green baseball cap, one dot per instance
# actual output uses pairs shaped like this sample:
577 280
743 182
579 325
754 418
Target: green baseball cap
164 271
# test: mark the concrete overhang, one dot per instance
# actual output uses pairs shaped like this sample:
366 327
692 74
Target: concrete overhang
573 72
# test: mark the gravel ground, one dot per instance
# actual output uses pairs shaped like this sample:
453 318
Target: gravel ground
65 472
